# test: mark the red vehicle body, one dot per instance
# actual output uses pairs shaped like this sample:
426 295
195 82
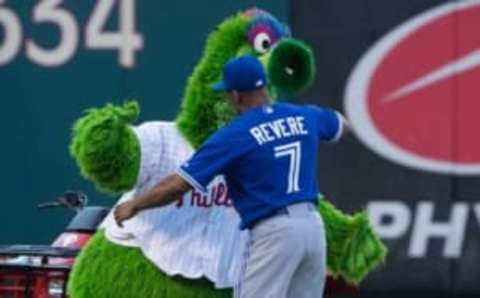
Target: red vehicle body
42 271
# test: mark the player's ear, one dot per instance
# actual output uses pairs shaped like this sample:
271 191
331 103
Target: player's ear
236 100
235 97
238 97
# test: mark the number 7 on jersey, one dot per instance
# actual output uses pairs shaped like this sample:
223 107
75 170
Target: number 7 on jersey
294 152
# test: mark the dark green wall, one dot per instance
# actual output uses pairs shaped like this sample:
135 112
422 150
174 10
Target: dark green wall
40 104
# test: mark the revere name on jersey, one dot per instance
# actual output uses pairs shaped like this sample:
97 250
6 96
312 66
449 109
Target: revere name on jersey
277 129
268 156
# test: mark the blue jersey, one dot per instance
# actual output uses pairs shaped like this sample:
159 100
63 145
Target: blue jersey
268 156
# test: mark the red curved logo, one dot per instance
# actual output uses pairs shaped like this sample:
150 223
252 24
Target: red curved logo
414 98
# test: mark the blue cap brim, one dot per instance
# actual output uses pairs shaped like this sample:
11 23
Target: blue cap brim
220 86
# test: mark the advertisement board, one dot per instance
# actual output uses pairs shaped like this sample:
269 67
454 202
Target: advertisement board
406 75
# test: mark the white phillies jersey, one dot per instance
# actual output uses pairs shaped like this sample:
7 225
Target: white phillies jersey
197 236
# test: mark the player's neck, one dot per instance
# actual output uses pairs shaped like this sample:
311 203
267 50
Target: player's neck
254 100
254 104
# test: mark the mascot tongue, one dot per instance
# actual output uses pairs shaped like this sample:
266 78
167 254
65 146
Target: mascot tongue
291 67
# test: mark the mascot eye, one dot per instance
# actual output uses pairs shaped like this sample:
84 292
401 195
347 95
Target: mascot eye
262 42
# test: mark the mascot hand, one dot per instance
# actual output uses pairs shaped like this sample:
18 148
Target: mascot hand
105 147
354 249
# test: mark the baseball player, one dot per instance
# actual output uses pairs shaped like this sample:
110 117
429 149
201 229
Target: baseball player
268 155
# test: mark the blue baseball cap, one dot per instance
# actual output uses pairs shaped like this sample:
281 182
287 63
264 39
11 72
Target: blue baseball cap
243 73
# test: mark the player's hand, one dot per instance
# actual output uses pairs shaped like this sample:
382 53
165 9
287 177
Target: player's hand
124 211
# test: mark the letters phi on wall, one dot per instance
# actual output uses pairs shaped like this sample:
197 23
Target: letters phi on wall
419 226
405 73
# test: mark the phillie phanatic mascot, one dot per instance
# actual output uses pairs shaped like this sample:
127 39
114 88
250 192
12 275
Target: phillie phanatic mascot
193 247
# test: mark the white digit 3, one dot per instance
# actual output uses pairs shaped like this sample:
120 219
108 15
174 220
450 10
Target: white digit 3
127 41
294 152
12 40
48 11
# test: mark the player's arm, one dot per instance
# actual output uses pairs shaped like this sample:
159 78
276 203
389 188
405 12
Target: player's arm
167 191
210 160
331 124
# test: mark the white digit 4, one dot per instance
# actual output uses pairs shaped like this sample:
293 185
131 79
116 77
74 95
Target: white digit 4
12 40
127 41
294 152
49 11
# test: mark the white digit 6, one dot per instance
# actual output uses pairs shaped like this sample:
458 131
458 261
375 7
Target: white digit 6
127 41
13 35
48 11
294 151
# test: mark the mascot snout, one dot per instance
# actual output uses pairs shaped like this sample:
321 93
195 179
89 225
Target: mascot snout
291 66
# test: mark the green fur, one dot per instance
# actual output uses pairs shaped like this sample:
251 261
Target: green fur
107 152
105 147
353 251
297 56
107 270
353 248
199 117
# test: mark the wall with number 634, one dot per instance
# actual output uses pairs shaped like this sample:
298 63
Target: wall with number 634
58 58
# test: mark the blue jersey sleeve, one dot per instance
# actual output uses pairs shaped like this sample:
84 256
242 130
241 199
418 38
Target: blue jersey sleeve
329 124
219 152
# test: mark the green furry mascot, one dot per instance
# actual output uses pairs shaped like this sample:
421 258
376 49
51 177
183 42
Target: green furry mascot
193 247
